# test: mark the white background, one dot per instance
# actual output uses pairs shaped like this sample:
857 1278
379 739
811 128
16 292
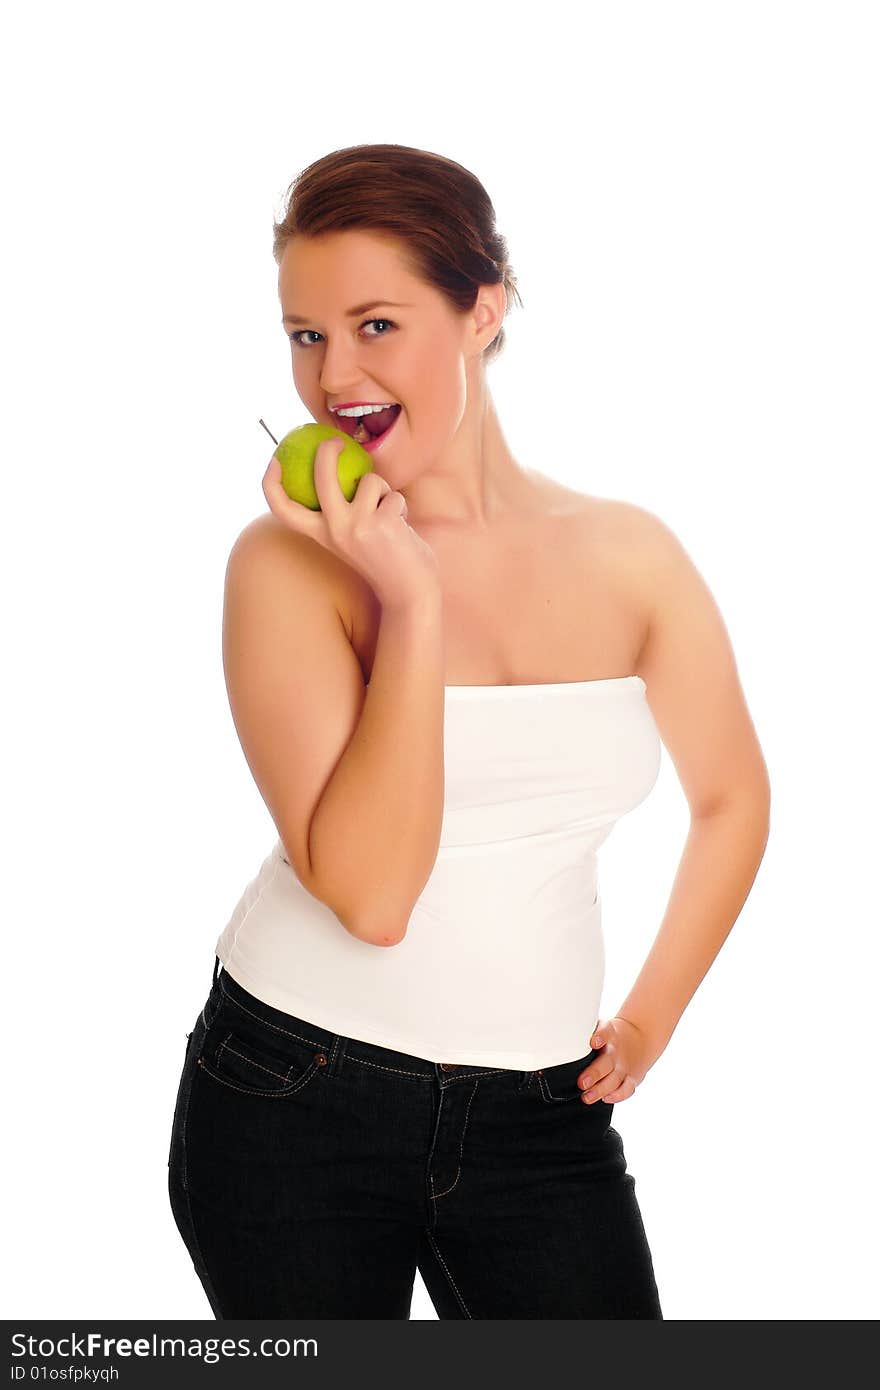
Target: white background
690 196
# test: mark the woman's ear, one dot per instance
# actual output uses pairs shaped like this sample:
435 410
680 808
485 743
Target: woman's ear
488 314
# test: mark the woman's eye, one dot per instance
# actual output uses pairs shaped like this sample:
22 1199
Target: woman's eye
377 335
297 337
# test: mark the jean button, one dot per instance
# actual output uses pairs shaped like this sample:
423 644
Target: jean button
448 1066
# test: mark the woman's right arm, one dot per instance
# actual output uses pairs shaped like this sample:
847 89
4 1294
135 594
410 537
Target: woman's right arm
353 778
376 830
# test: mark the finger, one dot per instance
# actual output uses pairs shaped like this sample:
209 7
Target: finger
371 488
294 514
595 1072
598 1089
334 503
623 1092
393 504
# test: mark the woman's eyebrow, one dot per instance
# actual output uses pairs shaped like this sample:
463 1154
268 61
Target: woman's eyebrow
358 309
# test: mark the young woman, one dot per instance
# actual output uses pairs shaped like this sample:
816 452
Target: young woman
447 690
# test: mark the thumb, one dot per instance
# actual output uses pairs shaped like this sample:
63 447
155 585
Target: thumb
598 1038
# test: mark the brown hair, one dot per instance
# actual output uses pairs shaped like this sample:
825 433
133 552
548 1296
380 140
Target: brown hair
439 210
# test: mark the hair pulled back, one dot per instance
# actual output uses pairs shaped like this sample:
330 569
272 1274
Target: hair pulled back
439 211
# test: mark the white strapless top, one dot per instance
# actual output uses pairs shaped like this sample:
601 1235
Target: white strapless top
503 960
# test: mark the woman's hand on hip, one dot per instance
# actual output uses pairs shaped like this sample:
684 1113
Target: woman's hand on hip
623 1062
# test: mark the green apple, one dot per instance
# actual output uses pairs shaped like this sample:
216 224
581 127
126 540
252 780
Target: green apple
296 454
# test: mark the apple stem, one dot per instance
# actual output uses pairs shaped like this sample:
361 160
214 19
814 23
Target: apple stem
268 431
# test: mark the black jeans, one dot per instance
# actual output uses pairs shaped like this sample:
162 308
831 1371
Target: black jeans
311 1174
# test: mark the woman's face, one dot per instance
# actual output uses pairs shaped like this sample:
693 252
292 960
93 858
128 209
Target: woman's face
410 348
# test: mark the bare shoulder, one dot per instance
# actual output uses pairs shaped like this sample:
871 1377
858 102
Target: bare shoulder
637 546
619 523
648 558
266 534
296 557
687 661
625 540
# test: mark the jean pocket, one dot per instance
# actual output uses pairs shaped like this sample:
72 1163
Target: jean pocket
256 1068
558 1085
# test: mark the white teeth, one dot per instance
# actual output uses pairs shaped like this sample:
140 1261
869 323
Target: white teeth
363 409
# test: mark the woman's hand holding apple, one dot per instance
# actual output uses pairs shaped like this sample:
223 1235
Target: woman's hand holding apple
370 533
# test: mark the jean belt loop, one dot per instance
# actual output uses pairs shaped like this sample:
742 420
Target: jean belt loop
216 970
337 1053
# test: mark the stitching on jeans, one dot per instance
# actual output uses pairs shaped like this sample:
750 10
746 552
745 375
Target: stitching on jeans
445 1269
466 1076
212 1295
461 1145
548 1097
398 1071
434 1145
253 1091
283 1076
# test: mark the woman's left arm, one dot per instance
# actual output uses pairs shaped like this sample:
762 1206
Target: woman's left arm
698 705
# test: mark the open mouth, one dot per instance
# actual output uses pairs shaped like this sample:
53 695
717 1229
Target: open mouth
370 430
